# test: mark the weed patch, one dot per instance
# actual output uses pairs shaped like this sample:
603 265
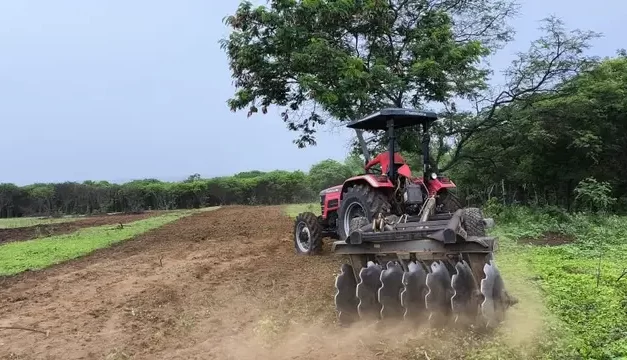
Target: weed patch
580 279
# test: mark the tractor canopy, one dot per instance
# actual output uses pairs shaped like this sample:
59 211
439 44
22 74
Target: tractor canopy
401 118
394 118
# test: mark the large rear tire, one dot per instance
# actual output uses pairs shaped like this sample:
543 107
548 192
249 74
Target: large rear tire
448 202
360 201
307 234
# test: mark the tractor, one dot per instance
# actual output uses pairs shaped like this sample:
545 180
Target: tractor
414 252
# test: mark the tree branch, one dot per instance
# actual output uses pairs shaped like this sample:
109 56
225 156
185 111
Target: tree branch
555 56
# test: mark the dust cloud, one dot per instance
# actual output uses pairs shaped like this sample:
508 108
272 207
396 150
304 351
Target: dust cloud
268 339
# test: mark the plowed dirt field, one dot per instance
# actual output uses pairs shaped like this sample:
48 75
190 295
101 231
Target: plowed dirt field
223 284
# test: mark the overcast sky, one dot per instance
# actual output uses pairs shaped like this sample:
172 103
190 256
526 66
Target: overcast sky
117 90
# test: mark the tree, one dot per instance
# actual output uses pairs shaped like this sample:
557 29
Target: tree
9 195
355 164
328 173
551 142
331 58
551 60
320 59
193 178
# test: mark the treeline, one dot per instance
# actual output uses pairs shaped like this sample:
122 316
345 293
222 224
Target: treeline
250 188
91 197
565 148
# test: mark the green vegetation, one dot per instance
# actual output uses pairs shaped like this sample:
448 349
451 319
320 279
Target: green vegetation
542 150
351 58
19 256
275 187
250 188
583 283
294 209
32 221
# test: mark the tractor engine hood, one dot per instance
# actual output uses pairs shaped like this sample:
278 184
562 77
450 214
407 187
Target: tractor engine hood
333 189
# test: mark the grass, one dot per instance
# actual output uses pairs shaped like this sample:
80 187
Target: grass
32 221
19 256
586 303
293 210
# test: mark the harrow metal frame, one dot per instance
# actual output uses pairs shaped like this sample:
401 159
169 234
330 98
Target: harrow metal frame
444 228
473 244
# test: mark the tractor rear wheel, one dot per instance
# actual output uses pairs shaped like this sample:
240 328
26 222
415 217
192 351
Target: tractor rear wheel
448 202
307 234
360 201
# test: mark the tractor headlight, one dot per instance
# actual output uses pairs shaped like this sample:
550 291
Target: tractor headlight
434 176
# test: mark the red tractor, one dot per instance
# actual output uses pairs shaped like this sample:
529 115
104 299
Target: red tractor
414 252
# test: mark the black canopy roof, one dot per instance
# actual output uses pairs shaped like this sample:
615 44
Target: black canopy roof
402 118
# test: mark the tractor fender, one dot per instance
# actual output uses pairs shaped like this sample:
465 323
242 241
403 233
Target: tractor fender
435 186
375 181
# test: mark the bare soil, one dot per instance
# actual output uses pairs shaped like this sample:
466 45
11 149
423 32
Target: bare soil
178 291
548 239
223 284
44 230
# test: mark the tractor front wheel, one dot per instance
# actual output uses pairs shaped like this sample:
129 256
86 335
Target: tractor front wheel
473 222
360 201
307 234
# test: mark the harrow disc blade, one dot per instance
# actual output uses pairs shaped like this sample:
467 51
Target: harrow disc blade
389 292
438 298
369 284
496 300
413 294
345 299
464 302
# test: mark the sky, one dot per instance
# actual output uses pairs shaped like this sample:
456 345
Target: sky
118 90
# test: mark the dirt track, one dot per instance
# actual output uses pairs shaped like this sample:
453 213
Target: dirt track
32 232
222 284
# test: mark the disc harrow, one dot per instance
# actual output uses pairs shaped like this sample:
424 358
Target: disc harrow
439 293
